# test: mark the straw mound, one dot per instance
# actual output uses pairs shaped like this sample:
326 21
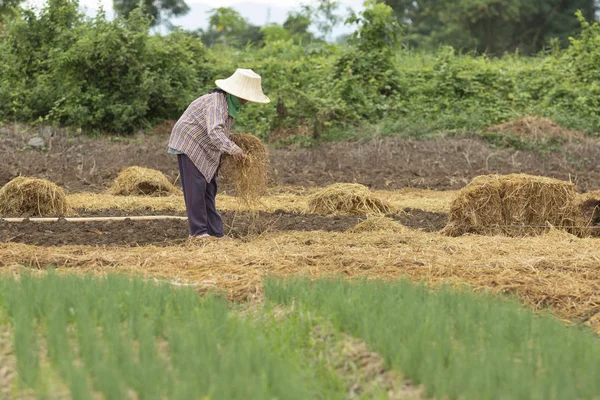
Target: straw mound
138 181
377 223
514 205
350 198
589 204
249 178
535 128
32 197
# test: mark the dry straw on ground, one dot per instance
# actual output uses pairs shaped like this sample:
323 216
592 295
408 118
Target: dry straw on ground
139 181
535 129
514 205
32 197
250 178
555 270
377 223
347 198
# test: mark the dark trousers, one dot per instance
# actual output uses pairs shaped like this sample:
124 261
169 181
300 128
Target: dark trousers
199 197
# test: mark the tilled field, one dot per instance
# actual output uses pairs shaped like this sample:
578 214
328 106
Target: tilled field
555 271
80 163
169 232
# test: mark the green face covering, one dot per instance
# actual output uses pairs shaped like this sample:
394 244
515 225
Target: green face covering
233 105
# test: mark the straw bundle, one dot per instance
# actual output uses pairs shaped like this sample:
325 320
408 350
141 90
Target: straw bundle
140 181
535 128
589 205
377 223
32 197
514 205
350 198
249 178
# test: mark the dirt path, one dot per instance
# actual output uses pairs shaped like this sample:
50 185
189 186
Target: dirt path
80 163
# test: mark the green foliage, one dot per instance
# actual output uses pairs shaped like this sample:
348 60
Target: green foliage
228 28
118 337
158 11
101 75
94 73
458 344
491 26
366 76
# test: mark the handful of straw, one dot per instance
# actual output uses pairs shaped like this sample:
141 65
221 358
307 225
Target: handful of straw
250 177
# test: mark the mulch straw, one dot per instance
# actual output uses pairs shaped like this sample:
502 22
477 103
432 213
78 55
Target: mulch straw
535 129
139 181
377 223
249 178
347 198
556 270
515 205
32 197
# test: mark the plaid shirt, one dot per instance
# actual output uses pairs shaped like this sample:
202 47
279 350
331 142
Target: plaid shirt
202 133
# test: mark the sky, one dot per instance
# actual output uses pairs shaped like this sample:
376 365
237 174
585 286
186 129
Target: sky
257 12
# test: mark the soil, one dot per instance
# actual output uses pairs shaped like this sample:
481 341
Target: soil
166 232
80 163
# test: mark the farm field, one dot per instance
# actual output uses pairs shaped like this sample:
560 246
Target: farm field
555 273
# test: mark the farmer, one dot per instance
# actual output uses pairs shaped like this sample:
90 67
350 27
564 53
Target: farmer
199 139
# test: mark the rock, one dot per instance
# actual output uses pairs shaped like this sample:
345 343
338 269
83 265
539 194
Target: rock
37 142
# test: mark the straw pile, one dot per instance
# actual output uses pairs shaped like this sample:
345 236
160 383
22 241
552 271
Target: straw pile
32 197
377 223
346 198
589 204
138 181
535 129
249 178
514 205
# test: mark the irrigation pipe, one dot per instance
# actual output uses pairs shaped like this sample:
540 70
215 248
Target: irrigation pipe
96 219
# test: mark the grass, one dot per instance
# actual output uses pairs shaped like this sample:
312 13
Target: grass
119 338
116 336
459 345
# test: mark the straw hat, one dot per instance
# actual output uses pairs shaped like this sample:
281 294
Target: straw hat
245 84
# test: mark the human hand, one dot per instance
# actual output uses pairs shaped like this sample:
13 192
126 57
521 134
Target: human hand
239 156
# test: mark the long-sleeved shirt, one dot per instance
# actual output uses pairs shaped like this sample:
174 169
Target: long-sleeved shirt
202 133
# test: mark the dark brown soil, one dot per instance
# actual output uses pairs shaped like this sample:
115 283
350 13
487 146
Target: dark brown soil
80 163
173 231
419 219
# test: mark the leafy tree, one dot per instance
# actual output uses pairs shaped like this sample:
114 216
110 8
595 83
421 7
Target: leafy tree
366 72
227 26
7 8
325 18
297 23
491 26
159 10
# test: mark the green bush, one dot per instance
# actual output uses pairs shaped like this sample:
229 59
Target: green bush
62 67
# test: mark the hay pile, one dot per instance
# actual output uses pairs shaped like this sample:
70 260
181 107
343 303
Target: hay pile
249 178
138 181
589 205
536 129
32 197
346 198
514 205
377 223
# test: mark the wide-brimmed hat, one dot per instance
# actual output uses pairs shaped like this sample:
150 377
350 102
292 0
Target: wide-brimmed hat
245 84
